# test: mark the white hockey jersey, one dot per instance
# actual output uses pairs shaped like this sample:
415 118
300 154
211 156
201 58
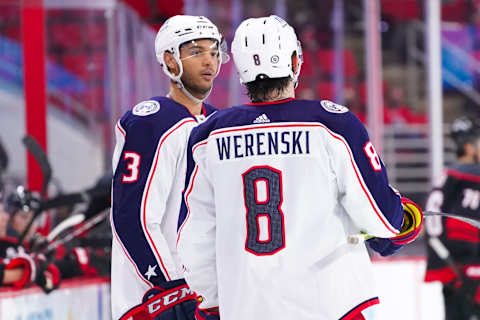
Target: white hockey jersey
273 193
149 164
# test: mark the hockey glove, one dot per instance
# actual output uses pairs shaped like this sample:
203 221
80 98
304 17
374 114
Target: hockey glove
412 224
35 270
173 302
48 276
28 265
383 246
207 314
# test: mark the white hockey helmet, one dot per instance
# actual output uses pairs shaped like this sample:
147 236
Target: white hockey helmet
263 48
180 29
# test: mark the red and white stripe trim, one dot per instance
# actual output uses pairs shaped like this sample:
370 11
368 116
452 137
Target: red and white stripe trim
147 190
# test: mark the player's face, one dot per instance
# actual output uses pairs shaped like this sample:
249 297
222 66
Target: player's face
20 221
4 216
200 59
477 150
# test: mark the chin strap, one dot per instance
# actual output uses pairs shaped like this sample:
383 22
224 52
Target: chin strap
189 95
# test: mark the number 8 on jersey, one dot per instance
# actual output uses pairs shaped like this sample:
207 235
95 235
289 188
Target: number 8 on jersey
263 199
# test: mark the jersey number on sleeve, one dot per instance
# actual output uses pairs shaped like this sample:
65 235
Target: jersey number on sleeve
263 198
133 161
372 156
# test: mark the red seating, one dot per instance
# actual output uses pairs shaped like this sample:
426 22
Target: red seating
96 34
455 10
170 8
13 32
141 7
325 58
307 68
326 90
401 10
66 35
96 66
77 64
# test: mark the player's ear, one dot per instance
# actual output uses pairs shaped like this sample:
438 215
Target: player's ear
171 63
295 62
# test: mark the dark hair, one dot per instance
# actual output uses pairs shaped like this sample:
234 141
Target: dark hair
263 89
464 130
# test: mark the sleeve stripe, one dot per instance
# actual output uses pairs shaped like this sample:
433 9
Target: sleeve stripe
145 199
355 312
126 253
190 187
119 127
362 184
334 135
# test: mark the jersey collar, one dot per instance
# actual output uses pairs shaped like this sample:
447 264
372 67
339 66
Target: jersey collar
269 102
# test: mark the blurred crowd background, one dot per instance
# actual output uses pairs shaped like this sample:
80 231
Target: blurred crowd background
100 61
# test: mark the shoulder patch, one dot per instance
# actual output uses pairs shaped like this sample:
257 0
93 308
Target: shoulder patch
146 108
333 107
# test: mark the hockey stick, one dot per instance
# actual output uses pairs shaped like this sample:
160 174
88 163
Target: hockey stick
358 238
37 152
39 243
443 253
65 224
90 223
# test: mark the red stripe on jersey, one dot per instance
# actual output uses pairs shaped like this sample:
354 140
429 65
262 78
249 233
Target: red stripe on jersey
355 313
119 127
443 275
463 176
207 312
126 253
338 137
459 230
148 189
186 203
268 102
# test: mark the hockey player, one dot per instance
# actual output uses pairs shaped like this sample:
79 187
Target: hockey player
277 187
458 192
17 267
149 173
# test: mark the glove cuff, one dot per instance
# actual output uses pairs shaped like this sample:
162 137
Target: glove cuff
412 222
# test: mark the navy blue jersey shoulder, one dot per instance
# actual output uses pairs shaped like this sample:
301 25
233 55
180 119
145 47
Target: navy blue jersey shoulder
345 124
169 113
143 128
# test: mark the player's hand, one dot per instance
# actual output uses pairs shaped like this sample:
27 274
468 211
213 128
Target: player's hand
412 224
384 246
47 275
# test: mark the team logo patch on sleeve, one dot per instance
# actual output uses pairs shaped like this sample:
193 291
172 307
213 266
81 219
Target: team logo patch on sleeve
145 108
333 107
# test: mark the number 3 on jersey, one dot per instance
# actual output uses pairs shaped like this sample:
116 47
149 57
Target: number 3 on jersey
132 160
263 199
